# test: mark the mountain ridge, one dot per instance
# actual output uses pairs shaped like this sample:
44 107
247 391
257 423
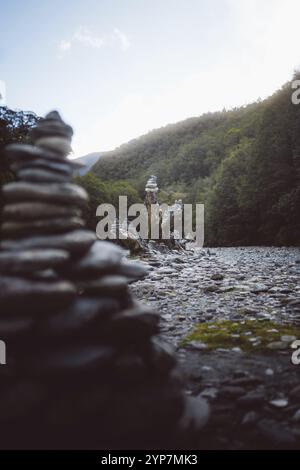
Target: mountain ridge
88 161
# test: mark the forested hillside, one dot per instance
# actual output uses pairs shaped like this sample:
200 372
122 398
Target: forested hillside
243 164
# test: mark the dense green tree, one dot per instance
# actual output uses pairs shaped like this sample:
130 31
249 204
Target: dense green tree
98 194
104 192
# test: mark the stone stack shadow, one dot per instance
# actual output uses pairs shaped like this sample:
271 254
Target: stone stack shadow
85 367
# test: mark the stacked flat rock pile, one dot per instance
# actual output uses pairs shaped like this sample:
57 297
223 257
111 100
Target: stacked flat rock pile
84 366
151 190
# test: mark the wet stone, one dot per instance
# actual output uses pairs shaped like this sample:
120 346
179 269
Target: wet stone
64 168
133 271
21 293
71 360
115 286
278 345
217 277
288 338
15 326
47 275
65 193
231 391
39 175
77 241
254 398
29 260
161 356
38 227
23 152
83 313
279 402
25 211
135 322
102 258
58 144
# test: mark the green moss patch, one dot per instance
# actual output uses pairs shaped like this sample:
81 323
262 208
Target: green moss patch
248 335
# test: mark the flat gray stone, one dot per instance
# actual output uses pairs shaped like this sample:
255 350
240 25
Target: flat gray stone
138 321
77 241
278 345
102 257
31 260
39 175
14 326
38 227
161 356
45 275
65 168
70 360
253 398
133 270
279 402
83 313
115 286
25 211
18 152
17 293
58 144
65 193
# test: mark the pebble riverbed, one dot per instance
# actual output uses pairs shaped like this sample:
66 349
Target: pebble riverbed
254 396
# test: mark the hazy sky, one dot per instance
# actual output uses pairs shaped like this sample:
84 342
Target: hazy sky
119 68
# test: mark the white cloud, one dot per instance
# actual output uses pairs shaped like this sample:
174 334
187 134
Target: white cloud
89 39
64 45
124 41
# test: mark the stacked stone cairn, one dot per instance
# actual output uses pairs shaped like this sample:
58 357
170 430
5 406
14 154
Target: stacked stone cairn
167 217
85 368
151 190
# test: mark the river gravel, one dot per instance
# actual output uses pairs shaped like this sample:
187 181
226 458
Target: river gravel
254 396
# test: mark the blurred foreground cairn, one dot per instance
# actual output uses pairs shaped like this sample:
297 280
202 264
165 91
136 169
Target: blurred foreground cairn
84 367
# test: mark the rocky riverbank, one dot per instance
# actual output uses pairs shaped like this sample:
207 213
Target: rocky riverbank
232 314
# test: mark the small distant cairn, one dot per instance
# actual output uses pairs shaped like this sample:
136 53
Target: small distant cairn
151 190
151 200
85 368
